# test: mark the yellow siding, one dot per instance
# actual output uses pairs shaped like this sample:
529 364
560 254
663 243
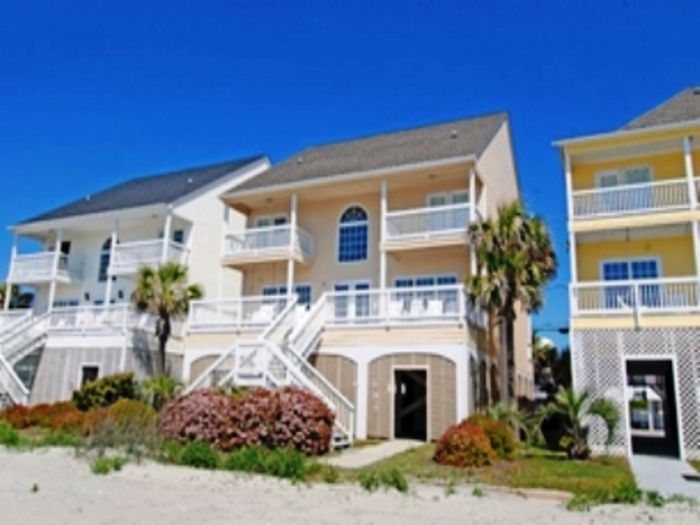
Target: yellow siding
676 254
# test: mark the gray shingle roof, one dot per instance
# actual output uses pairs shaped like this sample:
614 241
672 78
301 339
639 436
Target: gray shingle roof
682 107
457 138
163 188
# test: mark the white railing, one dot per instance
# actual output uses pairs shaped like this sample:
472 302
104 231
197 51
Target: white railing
415 305
82 319
424 223
12 384
38 267
11 318
130 256
243 313
631 198
309 328
262 242
672 295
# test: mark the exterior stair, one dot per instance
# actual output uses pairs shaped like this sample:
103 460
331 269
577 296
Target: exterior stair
273 360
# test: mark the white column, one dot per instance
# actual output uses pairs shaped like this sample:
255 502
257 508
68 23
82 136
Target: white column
8 284
569 186
112 247
573 271
383 207
361 398
56 260
689 172
293 242
463 384
472 219
166 236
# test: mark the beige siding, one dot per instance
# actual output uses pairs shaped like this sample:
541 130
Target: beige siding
340 371
497 166
442 393
199 366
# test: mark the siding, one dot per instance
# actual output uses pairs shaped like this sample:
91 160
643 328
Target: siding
442 393
340 371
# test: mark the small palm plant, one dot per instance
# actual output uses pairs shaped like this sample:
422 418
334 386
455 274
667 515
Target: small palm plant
572 407
165 293
514 260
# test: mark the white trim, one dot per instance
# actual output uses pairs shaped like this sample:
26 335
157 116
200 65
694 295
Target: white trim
392 404
271 217
629 261
649 130
346 177
677 401
340 224
423 276
623 170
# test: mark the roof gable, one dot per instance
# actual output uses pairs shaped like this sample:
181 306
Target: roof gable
457 138
164 188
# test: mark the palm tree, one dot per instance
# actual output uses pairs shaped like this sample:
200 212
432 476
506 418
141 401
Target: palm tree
165 293
573 407
514 260
14 292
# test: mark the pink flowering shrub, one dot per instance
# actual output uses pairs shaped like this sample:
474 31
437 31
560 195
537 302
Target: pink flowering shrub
289 417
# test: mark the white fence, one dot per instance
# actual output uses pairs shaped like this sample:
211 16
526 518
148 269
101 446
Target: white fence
650 295
631 198
254 242
426 222
130 256
243 313
113 318
38 267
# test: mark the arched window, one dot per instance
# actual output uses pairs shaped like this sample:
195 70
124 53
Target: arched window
105 253
353 235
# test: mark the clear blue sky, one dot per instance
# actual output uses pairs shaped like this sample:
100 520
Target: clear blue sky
92 93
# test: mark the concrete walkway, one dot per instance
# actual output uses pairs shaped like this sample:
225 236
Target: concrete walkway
363 456
665 476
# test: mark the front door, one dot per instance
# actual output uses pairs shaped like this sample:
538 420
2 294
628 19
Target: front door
651 398
411 404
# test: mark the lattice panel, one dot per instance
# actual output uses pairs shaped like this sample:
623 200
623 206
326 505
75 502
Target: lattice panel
597 365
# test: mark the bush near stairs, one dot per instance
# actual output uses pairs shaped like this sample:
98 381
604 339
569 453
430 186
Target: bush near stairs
289 417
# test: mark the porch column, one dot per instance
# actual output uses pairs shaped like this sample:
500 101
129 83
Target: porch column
8 284
383 207
569 186
54 272
472 219
573 271
166 236
689 172
112 247
292 242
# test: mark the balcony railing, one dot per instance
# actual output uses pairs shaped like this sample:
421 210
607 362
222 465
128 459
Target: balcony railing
417 305
11 318
674 295
130 256
421 224
243 313
631 198
38 267
268 243
90 319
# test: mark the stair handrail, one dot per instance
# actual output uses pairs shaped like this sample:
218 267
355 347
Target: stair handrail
316 312
223 357
10 371
18 331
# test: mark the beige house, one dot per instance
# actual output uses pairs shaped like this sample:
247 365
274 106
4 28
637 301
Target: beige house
353 259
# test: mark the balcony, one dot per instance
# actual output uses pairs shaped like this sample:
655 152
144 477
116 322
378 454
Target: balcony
401 306
649 296
661 196
39 267
426 227
232 315
269 244
128 257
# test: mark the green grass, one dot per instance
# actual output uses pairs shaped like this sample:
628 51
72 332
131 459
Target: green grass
695 464
104 465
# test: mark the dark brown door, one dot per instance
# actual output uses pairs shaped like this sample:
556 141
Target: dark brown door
411 404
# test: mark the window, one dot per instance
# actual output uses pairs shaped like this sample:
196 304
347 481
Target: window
65 247
352 305
63 303
625 176
416 299
450 218
179 236
353 235
89 373
302 290
104 260
623 270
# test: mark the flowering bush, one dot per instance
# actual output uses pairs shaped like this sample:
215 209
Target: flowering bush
289 417
55 416
464 445
500 436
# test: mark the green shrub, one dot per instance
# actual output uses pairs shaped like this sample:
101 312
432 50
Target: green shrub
282 462
369 480
199 455
105 391
500 436
170 452
58 438
395 479
55 416
8 435
627 493
464 445
104 465
127 423
157 391
247 459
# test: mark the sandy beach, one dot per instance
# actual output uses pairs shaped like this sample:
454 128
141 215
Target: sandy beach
67 492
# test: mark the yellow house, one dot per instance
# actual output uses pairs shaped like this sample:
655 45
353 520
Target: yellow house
632 201
371 237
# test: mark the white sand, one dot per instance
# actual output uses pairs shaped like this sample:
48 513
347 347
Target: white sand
150 493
